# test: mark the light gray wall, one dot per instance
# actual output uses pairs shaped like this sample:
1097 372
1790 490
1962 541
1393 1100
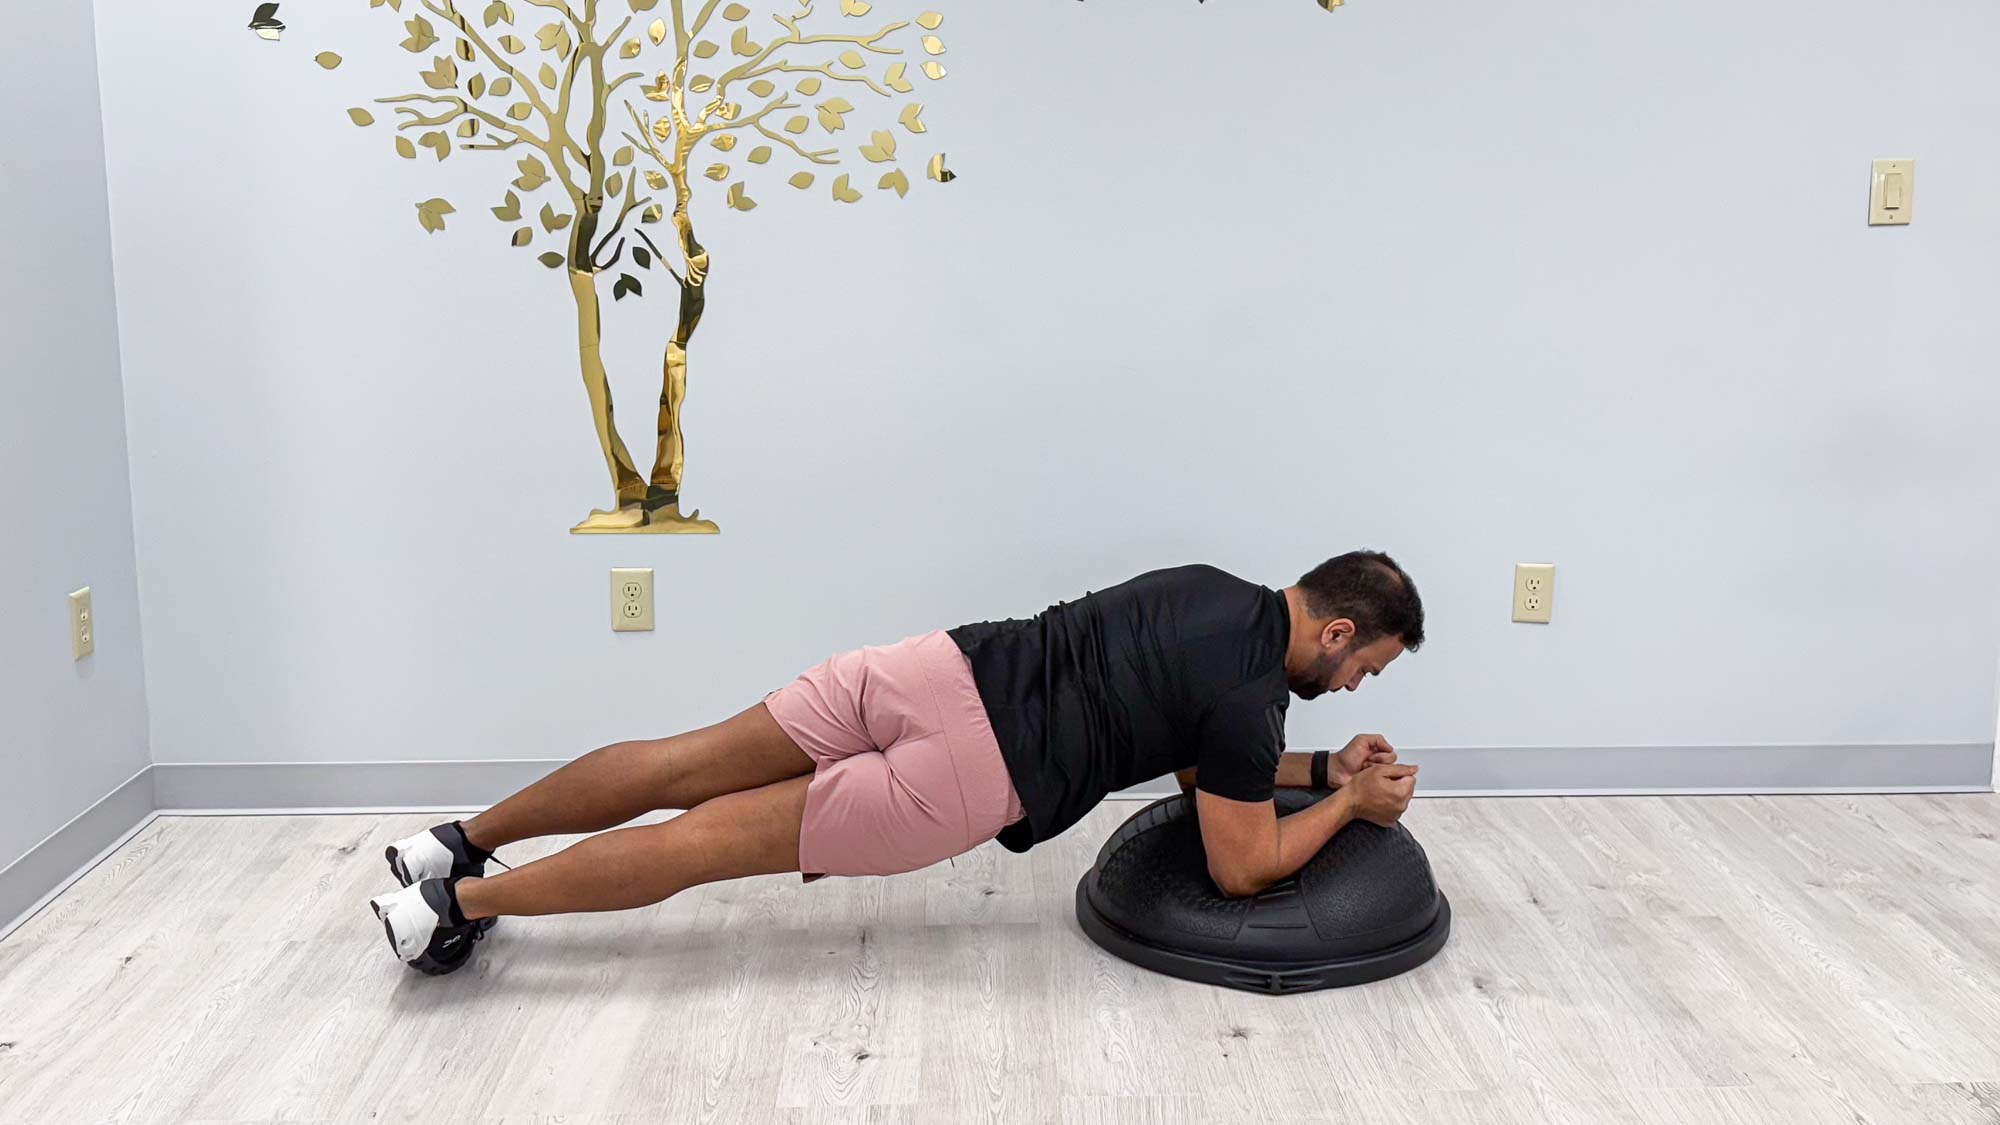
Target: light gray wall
1239 282
70 733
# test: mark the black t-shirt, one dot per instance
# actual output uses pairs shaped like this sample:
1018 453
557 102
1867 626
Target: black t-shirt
1176 668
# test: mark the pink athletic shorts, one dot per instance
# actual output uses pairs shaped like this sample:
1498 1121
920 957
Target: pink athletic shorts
906 769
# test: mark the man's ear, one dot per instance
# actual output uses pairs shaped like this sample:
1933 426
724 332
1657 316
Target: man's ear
1336 633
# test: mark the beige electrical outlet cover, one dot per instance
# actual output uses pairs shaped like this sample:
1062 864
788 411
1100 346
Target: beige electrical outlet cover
1535 593
82 625
1892 193
631 599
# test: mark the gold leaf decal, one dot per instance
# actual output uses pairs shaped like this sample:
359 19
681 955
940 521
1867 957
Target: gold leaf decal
551 221
405 149
739 200
897 181
844 193
735 12
547 76
548 35
512 44
797 125
624 156
725 141
717 172
443 74
437 142
705 50
701 83
477 86
431 213
642 256
509 211
761 154
801 181
912 117
929 21
742 44
729 111
762 88
642 5
809 86
937 171
551 259
265 22
831 114
626 283
657 32
934 45
329 60
464 51
502 86
656 181
361 117
884 148
524 236
499 12
852 60
520 111
533 174
660 91
934 70
855 7
422 35
653 214
896 80
630 50
615 184
469 127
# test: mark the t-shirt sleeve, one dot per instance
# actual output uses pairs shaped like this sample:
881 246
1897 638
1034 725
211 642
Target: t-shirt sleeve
1239 744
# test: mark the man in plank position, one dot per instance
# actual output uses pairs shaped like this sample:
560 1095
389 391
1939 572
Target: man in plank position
892 758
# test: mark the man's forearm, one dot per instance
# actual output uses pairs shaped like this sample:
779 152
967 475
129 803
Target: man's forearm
1302 834
1294 772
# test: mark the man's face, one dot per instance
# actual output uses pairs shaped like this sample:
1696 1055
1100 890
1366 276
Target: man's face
1340 665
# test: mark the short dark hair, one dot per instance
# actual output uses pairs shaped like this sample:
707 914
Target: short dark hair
1369 589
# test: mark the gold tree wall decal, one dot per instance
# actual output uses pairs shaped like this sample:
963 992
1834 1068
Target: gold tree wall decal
552 101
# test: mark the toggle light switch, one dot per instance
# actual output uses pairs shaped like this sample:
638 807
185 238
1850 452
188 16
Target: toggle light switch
1889 194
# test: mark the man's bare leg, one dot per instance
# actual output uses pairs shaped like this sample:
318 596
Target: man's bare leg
755 832
623 781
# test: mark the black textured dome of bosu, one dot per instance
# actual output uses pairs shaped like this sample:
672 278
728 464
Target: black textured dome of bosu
1364 908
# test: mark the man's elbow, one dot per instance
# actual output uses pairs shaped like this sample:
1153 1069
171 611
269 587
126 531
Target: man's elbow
1237 884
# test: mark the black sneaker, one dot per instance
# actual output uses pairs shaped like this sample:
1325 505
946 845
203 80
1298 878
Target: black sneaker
442 852
417 922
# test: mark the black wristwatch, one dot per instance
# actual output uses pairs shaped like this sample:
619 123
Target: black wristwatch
1319 769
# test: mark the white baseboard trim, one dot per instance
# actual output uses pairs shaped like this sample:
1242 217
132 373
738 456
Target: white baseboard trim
49 868
385 788
1457 772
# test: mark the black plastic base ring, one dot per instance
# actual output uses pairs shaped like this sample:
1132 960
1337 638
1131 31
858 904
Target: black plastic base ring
1273 977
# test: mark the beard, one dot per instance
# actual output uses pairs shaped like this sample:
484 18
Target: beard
1311 684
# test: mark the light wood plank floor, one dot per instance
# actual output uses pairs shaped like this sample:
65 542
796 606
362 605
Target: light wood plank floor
1787 959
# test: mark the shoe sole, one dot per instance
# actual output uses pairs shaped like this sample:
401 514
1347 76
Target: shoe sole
388 931
396 865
